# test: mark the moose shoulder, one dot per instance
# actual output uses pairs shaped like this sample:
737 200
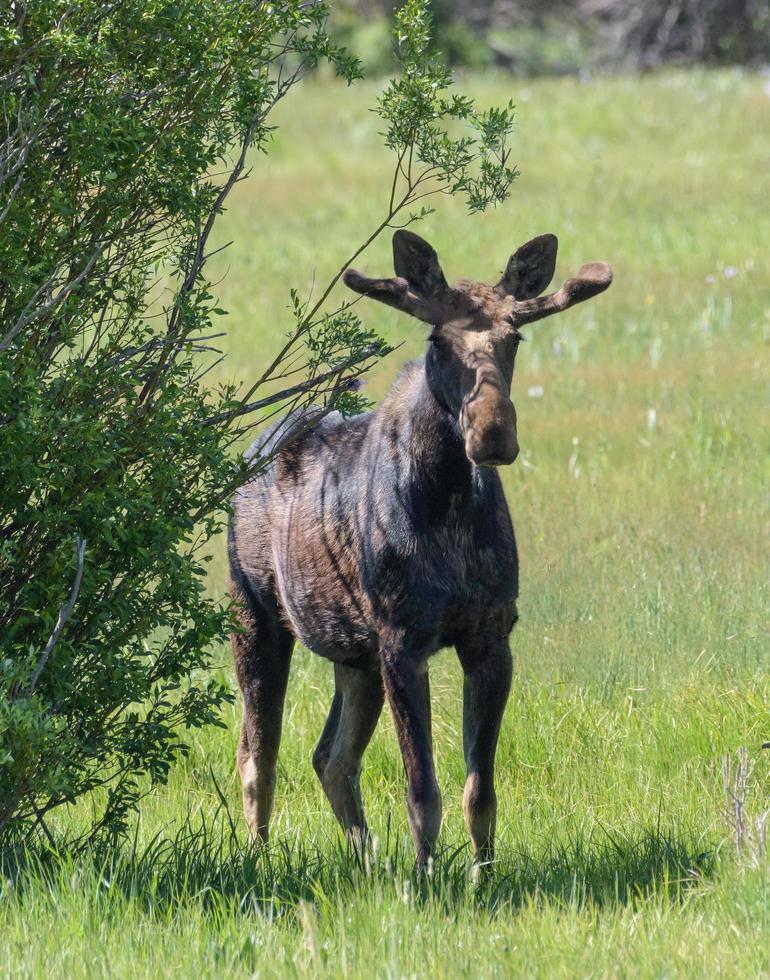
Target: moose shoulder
377 540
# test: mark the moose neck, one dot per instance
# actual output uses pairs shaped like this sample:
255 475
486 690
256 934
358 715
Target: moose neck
439 475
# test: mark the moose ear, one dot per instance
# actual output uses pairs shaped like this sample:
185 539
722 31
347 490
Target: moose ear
530 268
416 261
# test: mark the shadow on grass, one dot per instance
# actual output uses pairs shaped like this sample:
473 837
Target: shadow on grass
208 866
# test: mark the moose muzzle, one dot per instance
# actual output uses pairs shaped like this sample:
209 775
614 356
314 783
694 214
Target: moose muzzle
488 420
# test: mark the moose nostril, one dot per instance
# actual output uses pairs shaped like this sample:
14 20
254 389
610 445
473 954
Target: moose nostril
493 452
490 433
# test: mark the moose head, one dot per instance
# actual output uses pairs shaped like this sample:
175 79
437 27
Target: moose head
475 330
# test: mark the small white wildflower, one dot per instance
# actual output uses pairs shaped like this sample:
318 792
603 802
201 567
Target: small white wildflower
730 271
709 279
536 391
652 418
572 466
656 351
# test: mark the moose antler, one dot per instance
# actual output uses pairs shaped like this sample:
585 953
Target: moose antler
592 279
393 292
419 286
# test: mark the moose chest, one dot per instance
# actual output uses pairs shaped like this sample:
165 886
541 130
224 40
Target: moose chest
445 573
371 569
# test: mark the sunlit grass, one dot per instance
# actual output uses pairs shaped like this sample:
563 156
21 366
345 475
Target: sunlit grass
642 654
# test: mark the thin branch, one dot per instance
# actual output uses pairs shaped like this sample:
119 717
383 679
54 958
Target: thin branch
298 389
309 422
396 170
64 614
40 820
12 196
307 319
29 315
199 258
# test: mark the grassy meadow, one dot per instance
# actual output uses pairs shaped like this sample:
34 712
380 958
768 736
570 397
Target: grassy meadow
642 655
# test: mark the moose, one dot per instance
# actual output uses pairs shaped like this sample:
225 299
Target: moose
380 539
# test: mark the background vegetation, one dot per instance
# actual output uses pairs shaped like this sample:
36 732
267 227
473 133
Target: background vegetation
536 37
642 655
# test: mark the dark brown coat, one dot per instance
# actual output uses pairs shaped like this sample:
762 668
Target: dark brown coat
380 539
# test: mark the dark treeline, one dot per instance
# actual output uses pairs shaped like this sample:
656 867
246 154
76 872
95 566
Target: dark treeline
531 37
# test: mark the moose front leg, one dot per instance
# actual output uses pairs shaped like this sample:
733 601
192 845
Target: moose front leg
487 667
352 719
405 678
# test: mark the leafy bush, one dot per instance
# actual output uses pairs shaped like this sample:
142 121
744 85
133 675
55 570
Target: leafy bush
125 125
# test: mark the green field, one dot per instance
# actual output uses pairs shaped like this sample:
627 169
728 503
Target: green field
642 653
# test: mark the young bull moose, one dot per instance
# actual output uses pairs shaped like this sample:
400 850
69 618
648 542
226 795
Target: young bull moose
379 539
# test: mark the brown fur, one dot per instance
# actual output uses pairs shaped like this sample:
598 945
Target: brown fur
379 539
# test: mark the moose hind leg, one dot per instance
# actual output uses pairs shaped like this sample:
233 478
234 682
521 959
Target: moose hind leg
262 658
353 716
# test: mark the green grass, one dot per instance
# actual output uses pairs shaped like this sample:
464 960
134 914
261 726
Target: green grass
642 652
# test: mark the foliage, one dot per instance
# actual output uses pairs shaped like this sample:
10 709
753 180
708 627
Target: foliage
125 127
416 110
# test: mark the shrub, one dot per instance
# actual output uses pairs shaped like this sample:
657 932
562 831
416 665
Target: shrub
125 125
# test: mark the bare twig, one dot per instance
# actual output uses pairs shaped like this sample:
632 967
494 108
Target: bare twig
307 319
749 835
197 262
200 257
30 314
64 614
294 390
40 821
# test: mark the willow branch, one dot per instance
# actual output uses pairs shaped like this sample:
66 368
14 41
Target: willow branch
64 614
